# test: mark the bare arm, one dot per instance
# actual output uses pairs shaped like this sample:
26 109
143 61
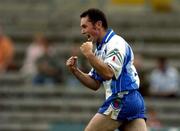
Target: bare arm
102 68
84 78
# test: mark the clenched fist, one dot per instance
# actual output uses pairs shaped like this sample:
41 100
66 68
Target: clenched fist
71 63
86 48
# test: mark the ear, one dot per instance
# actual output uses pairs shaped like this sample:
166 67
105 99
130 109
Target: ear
99 24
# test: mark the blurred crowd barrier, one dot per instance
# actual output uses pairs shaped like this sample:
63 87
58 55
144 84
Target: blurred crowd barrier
62 108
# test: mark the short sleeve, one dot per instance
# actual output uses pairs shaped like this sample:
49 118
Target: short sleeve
115 58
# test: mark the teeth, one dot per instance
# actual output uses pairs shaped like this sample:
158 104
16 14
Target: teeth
88 37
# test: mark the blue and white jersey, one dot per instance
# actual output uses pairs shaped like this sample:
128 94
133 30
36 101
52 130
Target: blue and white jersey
116 52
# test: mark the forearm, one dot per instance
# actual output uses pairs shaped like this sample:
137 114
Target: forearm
86 80
103 69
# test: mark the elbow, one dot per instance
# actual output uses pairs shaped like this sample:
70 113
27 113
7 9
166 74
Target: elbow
108 76
94 89
95 86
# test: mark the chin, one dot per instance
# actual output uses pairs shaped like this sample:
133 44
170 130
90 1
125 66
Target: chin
90 39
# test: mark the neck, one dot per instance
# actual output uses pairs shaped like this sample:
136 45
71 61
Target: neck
102 34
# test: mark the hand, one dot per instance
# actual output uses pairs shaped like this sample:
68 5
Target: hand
86 48
71 63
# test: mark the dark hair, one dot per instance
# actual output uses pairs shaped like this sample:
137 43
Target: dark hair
95 15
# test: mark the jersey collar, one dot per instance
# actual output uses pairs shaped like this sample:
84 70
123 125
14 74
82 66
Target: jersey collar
110 33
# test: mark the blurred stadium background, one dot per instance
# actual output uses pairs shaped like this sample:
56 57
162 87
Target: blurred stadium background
152 27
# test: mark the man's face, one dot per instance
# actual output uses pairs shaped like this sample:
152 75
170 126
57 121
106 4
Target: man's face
88 29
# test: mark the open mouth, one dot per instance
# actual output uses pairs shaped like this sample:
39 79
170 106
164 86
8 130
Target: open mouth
88 37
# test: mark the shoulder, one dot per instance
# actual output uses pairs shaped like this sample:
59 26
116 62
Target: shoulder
117 42
118 39
172 70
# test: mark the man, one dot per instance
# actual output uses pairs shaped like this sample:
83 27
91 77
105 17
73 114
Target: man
6 52
113 68
164 79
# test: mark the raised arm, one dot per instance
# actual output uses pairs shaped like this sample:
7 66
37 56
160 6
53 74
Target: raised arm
102 68
84 78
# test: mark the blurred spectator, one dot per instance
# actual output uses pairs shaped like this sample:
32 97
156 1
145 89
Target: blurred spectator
153 122
34 51
164 79
48 67
40 65
138 63
6 52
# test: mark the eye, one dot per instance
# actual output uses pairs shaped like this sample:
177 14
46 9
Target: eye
83 26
